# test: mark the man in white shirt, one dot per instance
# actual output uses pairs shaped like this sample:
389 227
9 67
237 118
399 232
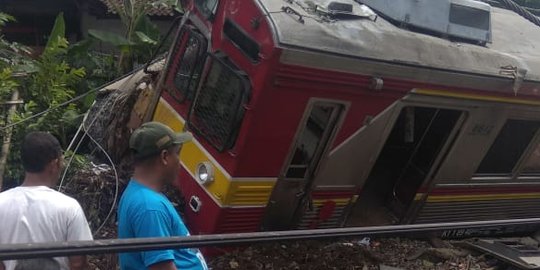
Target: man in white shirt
33 212
38 264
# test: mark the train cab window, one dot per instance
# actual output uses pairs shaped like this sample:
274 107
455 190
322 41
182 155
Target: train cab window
241 40
531 165
207 7
219 107
186 65
508 148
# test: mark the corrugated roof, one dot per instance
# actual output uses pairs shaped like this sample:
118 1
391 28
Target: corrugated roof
154 11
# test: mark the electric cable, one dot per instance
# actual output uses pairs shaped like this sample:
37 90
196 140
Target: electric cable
521 11
117 181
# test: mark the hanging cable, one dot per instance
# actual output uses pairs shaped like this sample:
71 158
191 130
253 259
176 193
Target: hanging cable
84 129
79 97
66 168
85 133
117 180
97 114
521 11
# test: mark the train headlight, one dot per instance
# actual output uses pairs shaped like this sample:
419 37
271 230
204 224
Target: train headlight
205 173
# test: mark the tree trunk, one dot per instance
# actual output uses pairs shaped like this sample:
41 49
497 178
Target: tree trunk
4 152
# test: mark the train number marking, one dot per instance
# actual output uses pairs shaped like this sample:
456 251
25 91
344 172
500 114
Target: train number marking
481 130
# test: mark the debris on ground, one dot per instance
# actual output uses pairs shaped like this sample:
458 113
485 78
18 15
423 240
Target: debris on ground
383 254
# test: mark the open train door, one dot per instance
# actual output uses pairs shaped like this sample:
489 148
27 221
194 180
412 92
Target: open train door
315 134
411 155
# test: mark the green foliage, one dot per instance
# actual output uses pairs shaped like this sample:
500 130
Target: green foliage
54 83
48 81
7 85
101 68
169 3
141 35
5 18
58 32
78 162
109 37
13 55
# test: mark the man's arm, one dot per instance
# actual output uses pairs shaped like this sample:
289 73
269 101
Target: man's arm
2 267
168 265
153 223
78 230
77 263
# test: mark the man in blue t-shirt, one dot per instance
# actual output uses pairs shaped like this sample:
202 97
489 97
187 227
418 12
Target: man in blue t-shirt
144 211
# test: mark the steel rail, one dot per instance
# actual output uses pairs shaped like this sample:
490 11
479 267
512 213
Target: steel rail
35 250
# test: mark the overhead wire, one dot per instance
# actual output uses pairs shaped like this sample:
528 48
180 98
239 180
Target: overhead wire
132 73
85 133
521 11
79 97
117 180
84 129
66 168
65 103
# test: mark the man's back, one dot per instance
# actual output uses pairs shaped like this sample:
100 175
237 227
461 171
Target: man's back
143 212
40 214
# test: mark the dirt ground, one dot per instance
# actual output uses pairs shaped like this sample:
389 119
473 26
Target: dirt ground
383 254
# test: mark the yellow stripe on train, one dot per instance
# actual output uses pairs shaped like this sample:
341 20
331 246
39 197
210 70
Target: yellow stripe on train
228 191
475 96
339 202
482 197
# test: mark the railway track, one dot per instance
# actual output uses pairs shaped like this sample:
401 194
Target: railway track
525 256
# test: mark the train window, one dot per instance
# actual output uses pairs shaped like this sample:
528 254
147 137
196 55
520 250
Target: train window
219 106
532 163
242 40
508 147
463 15
207 7
186 65
320 120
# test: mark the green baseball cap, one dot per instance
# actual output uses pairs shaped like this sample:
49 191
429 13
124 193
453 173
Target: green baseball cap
153 137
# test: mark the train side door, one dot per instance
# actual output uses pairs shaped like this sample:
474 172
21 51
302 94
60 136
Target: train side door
312 141
410 156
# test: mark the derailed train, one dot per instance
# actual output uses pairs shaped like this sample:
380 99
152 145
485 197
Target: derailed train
320 114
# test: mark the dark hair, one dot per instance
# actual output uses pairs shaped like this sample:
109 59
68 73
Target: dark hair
144 160
38 149
38 264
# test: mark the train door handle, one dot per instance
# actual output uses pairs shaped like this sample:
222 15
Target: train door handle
300 193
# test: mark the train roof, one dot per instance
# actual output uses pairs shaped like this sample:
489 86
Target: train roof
514 40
